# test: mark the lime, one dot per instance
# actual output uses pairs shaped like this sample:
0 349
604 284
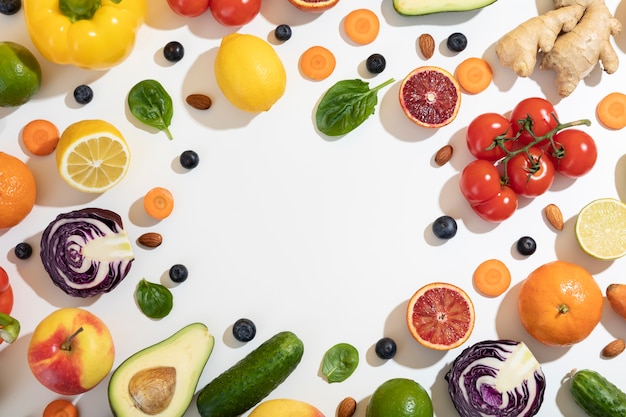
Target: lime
601 228
400 397
20 74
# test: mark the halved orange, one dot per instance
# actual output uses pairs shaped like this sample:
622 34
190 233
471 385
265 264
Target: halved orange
440 316
314 5
430 96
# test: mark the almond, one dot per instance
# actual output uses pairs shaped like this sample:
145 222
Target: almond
199 101
614 348
554 216
347 407
443 155
150 239
427 45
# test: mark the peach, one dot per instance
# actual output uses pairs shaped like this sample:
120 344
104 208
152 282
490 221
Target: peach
285 408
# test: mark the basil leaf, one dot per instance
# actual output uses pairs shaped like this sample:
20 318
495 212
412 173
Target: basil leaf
346 105
154 300
339 362
152 105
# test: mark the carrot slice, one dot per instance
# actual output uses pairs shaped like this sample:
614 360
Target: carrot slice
611 110
492 278
361 26
317 63
474 75
158 203
40 137
60 408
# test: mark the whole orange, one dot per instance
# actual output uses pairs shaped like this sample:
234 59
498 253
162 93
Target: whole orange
17 190
560 303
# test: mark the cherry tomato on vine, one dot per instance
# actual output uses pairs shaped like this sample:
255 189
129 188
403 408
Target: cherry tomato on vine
481 133
480 181
6 293
189 8
579 153
530 176
542 114
4 280
498 208
234 12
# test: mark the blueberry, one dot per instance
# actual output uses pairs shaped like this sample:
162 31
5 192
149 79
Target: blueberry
9 7
23 250
282 32
189 159
375 63
83 94
178 273
526 245
444 227
385 348
244 330
457 42
173 51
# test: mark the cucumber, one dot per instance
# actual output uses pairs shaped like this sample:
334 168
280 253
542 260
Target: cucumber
246 383
597 396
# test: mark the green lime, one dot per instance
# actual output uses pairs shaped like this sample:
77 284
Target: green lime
400 397
601 228
20 74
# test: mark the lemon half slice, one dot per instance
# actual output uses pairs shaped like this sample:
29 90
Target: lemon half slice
601 228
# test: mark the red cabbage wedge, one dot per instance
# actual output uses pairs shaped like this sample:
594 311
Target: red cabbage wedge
496 378
86 252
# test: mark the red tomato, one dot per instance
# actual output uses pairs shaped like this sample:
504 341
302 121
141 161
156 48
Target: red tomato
498 208
4 280
189 8
530 177
542 114
480 181
235 12
482 132
579 153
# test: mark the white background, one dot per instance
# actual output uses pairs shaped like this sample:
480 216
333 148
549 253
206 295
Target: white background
328 239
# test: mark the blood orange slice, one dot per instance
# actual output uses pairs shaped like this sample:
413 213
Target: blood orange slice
314 5
440 316
430 96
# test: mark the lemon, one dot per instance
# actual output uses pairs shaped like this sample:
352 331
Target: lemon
399 397
249 72
92 156
601 228
20 74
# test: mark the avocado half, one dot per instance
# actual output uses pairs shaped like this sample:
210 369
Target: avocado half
422 7
161 380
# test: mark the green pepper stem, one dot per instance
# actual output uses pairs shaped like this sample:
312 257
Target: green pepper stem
79 9
9 328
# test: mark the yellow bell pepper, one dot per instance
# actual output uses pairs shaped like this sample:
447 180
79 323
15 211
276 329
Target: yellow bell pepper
91 34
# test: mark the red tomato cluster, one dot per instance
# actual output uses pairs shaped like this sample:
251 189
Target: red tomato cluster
226 12
520 156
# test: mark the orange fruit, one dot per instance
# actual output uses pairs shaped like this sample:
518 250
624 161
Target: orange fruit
560 303
440 316
430 96
616 295
17 190
314 5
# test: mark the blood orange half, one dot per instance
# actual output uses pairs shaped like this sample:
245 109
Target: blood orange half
440 316
430 96
314 5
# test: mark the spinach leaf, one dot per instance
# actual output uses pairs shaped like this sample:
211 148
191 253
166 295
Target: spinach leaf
346 105
152 105
154 300
339 362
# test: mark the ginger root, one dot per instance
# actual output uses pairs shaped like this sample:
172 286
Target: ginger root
573 38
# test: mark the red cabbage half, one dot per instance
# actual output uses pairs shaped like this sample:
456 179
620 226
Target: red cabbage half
496 378
86 252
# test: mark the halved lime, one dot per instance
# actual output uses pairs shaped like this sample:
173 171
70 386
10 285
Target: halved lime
601 228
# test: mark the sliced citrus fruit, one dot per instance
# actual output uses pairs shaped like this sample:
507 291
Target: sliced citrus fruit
92 156
440 316
314 5
601 228
430 96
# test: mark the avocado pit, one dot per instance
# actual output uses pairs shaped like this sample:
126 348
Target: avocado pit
152 389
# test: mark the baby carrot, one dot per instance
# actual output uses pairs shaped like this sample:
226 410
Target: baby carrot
158 203
317 63
40 137
361 26
492 278
611 110
60 408
474 75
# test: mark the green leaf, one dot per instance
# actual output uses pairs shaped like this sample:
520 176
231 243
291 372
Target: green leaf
346 105
152 105
154 300
339 362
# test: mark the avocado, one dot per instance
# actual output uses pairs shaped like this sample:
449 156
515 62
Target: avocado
161 379
422 7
